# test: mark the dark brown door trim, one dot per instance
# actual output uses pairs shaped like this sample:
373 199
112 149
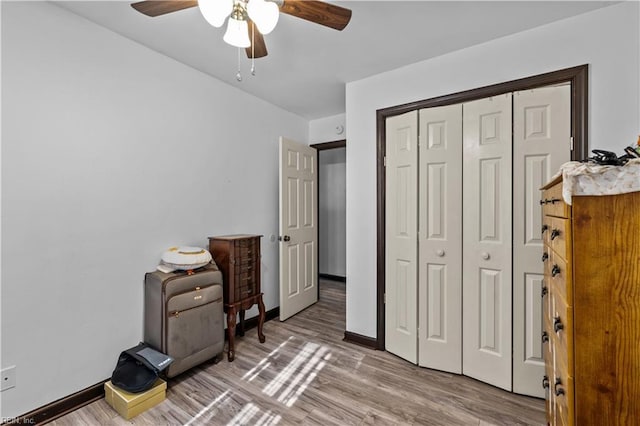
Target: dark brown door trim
577 76
329 145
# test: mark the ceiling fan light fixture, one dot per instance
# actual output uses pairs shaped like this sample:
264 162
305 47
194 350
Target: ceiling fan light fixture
265 14
237 33
215 11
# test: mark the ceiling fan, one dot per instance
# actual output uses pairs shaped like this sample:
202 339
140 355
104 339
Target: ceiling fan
242 14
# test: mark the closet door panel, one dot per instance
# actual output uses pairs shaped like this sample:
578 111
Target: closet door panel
541 144
440 239
401 263
486 264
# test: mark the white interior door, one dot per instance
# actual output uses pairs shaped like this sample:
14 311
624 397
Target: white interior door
542 143
401 269
440 239
487 243
298 227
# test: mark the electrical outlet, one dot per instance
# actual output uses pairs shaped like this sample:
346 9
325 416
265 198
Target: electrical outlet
8 378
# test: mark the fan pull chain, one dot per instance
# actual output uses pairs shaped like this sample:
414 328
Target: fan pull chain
238 75
253 49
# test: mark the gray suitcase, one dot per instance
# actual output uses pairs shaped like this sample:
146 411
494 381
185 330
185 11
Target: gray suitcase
183 316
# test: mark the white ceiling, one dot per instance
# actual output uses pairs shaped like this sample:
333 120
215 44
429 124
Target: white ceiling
308 65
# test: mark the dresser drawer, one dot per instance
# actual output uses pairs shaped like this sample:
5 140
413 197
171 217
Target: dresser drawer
559 235
558 276
562 389
547 262
549 396
553 203
547 342
547 223
561 331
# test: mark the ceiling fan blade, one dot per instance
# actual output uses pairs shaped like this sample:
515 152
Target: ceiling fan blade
160 7
322 13
257 40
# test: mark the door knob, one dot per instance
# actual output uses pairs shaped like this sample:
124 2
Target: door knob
285 238
440 252
486 256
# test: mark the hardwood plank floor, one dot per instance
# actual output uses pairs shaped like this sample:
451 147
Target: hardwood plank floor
305 374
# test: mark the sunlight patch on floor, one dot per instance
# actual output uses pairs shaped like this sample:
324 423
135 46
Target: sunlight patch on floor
247 414
286 387
290 396
208 409
264 363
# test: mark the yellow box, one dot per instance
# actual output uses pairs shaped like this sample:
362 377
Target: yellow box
129 405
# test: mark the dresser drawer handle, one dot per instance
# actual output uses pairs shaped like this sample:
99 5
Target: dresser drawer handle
545 256
545 337
558 387
555 270
545 228
555 233
557 324
545 382
544 291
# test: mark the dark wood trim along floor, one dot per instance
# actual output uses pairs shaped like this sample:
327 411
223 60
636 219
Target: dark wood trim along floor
93 393
60 407
331 277
361 340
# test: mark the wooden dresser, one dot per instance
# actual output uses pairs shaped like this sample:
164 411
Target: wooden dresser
238 257
591 308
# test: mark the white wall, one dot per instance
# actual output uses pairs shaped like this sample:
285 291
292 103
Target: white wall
327 129
606 39
112 153
332 215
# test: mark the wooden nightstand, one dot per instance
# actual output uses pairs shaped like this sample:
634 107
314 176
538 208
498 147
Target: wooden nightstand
238 257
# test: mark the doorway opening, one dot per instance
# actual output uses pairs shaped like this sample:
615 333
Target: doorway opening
332 266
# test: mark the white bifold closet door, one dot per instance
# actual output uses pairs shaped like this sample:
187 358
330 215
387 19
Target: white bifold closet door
401 263
541 144
463 233
486 264
440 239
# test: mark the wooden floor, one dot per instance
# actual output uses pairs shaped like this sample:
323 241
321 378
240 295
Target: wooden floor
305 374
